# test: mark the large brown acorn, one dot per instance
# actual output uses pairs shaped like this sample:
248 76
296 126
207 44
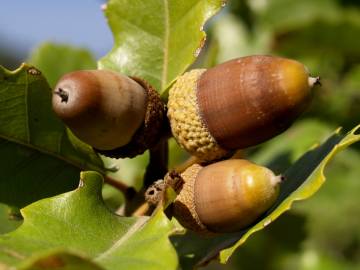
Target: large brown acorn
222 197
118 115
237 104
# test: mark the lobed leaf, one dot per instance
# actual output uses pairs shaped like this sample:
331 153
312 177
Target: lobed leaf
41 158
156 40
78 222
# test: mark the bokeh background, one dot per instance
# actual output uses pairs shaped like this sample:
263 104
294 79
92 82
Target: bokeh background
321 233
24 25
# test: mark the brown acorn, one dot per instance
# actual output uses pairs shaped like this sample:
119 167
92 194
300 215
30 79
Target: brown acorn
237 104
117 115
226 196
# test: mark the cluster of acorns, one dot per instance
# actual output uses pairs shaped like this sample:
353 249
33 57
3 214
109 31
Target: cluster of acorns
212 113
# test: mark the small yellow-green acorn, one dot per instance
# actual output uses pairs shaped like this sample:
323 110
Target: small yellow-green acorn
237 104
117 115
226 196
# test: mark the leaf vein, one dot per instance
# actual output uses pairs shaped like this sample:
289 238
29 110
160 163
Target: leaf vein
166 45
128 22
138 224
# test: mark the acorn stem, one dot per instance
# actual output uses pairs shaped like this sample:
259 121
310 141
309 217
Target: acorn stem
314 81
158 163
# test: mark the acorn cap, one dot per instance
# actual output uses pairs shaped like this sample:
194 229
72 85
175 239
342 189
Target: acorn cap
184 205
186 124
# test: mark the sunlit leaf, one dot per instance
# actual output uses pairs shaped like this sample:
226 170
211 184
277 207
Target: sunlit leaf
79 221
156 40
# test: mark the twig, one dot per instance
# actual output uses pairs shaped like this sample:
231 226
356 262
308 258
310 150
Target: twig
156 169
129 192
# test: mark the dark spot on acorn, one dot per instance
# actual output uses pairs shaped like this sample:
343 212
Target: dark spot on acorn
62 94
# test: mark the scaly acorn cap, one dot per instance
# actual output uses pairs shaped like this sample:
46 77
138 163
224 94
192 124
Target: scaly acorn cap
184 205
237 104
187 126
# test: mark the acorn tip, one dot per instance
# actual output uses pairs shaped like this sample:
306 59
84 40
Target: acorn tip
314 81
62 94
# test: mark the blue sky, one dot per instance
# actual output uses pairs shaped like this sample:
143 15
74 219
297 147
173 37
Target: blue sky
25 24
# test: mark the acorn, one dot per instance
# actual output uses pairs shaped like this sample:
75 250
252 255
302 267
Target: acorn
237 104
226 196
119 116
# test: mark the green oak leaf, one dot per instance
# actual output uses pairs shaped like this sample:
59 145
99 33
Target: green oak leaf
79 222
40 157
303 179
156 40
55 60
